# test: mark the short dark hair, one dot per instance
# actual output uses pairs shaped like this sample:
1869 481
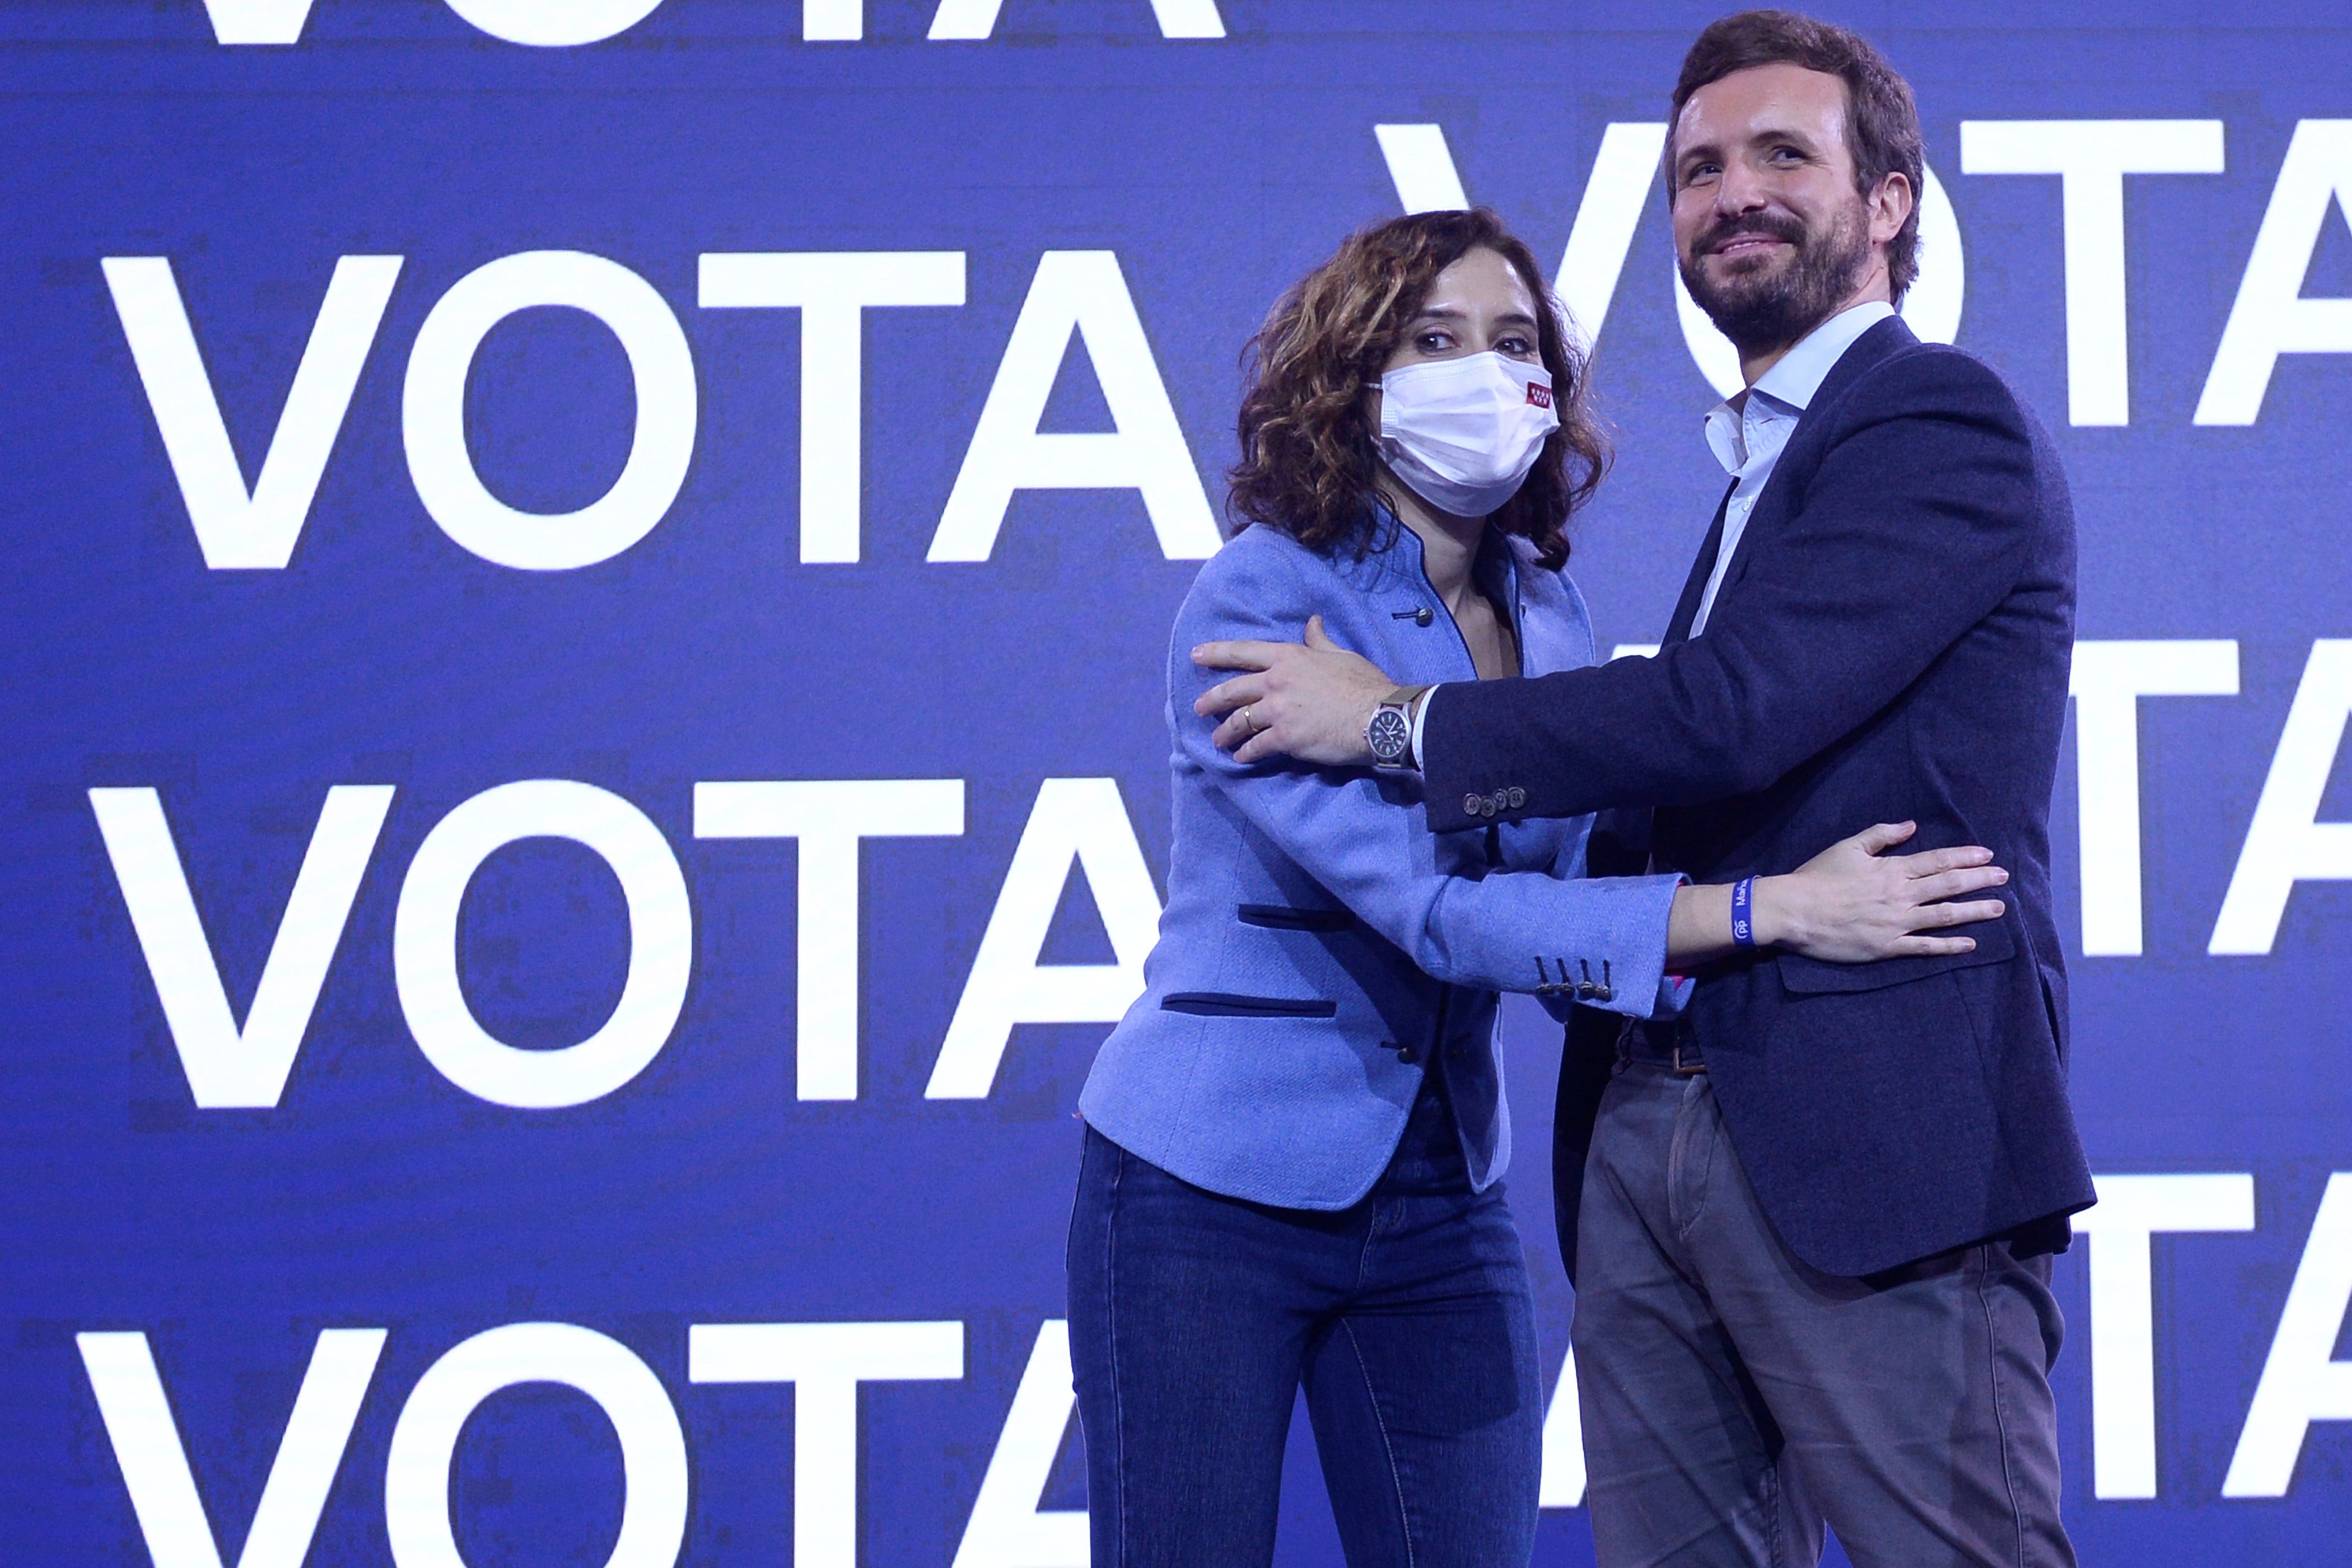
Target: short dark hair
1881 121
1309 465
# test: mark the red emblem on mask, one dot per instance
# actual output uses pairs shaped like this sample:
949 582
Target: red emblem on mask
1539 394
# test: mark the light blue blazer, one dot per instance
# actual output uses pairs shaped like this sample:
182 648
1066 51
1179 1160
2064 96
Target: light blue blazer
1321 947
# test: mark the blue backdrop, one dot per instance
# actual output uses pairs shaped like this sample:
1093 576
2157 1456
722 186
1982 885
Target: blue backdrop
585 589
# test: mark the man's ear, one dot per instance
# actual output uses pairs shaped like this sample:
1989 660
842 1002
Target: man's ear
1890 208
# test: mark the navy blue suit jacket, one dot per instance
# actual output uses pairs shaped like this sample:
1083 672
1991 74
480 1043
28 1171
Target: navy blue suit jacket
1891 642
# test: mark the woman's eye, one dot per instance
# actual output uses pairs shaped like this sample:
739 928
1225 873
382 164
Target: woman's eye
1516 345
1435 343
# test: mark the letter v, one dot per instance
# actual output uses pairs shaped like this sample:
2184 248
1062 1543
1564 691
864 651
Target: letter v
155 1462
1420 165
1624 171
226 1066
237 528
258 21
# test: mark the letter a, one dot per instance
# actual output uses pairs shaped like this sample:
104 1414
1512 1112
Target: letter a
2300 1383
2270 316
1079 292
2286 843
977 19
1080 820
1007 1529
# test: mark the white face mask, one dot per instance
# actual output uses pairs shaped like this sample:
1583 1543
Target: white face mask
1464 432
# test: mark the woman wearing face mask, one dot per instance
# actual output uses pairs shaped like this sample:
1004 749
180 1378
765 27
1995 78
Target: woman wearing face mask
1295 1136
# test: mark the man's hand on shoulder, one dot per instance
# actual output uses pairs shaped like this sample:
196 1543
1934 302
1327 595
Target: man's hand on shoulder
1310 700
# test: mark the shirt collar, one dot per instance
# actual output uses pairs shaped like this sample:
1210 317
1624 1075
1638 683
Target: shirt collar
1792 383
1800 372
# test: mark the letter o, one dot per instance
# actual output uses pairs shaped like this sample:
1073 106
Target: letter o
554 24
425 1440
433 410
424 944
1931 308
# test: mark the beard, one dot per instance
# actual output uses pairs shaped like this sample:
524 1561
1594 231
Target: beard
1760 306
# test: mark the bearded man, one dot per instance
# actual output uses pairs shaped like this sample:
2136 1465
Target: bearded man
1809 1222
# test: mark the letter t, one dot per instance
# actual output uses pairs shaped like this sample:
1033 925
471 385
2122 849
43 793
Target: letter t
831 290
2109 680
825 1362
2092 157
829 817
2130 1210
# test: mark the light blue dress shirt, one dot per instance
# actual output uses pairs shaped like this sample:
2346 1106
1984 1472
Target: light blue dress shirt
1746 432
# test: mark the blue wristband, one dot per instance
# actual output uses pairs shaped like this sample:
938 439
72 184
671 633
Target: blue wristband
1743 912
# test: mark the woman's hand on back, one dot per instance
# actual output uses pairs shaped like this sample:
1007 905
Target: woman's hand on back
1854 903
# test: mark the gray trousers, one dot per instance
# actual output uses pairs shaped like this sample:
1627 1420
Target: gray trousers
1735 1399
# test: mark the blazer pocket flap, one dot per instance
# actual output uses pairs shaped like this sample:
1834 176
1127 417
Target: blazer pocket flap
1226 1004
1802 976
1282 917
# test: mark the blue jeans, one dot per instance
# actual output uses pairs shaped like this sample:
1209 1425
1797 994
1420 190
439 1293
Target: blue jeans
1195 1318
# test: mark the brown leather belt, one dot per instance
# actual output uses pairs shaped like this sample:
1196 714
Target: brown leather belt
1666 1043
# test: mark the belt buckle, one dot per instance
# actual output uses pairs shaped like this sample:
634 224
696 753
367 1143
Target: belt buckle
1691 1070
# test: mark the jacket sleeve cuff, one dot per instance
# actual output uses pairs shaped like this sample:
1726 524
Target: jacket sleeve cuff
1643 982
1443 787
1619 960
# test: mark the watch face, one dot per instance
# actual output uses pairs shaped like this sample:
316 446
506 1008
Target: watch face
1388 734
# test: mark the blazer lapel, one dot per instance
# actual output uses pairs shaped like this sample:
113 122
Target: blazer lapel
1887 337
1695 586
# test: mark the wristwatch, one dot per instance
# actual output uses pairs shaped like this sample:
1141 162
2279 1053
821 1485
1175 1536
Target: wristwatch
1388 735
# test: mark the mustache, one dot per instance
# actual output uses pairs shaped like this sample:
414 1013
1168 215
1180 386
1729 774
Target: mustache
1784 227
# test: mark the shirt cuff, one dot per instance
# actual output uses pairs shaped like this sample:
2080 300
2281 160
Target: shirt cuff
1674 995
1420 715
1674 990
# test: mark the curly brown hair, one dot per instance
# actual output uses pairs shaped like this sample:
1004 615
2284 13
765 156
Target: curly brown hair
1309 464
